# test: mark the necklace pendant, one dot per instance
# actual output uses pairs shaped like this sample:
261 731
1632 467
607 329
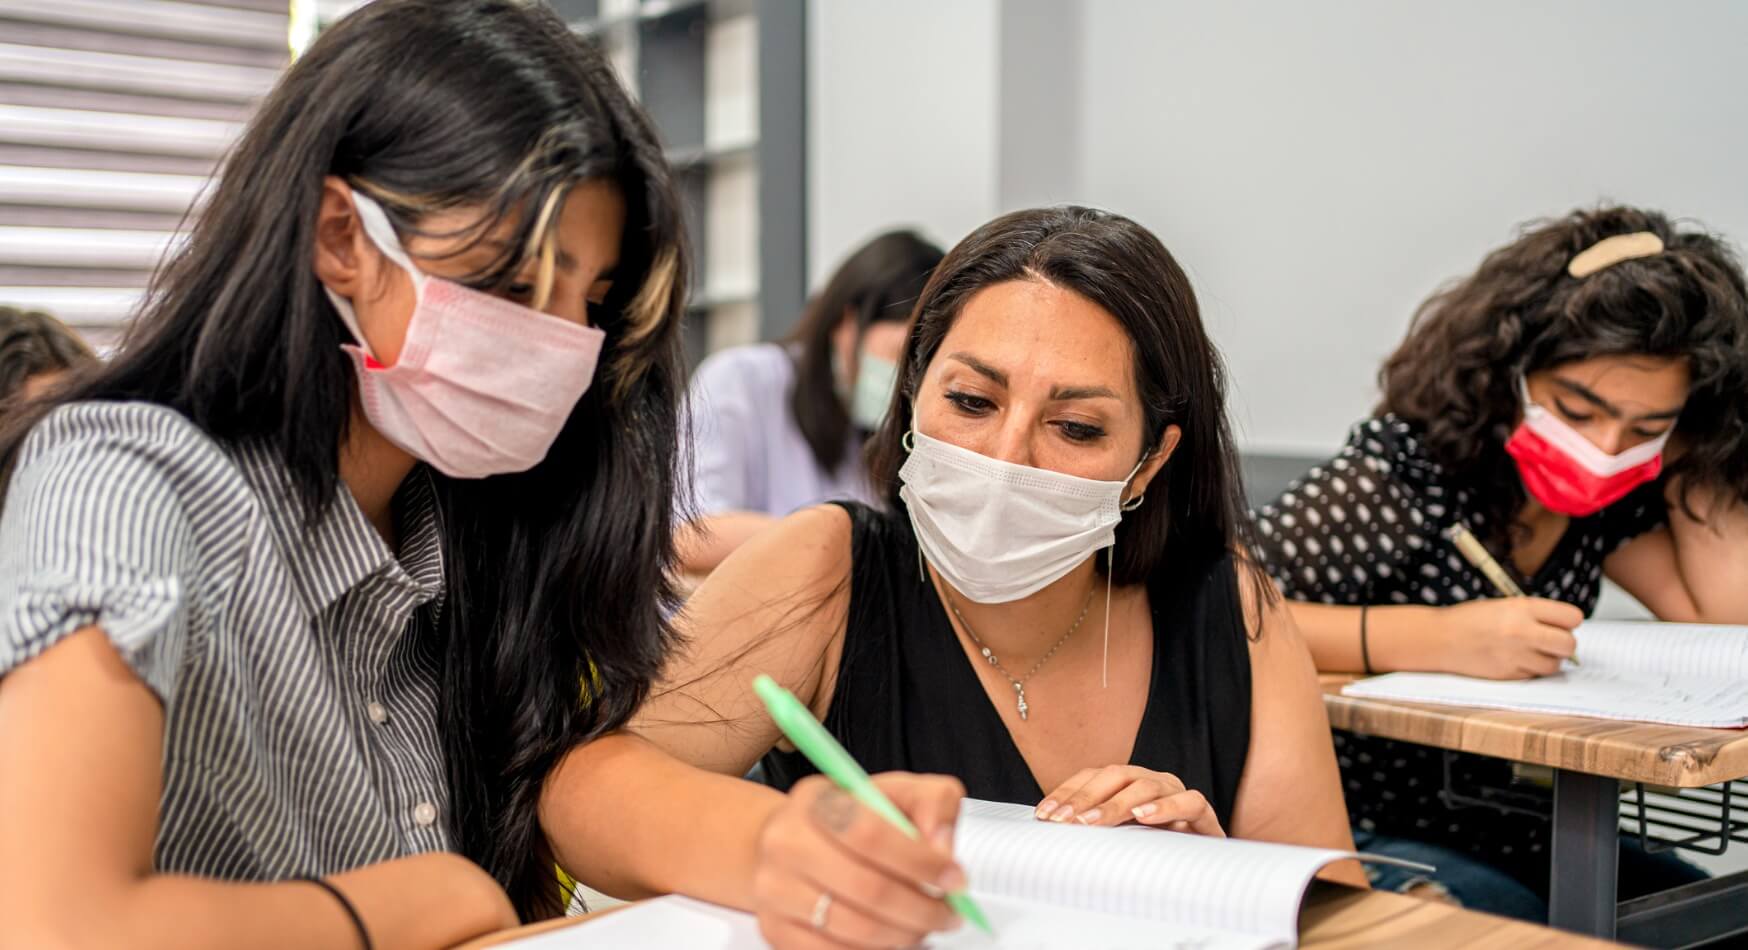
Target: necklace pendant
1023 707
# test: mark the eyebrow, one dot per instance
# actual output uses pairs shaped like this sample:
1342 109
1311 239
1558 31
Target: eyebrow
995 375
1585 393
1057 394
565 261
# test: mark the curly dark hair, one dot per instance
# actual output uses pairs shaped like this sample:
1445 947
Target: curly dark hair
1456 373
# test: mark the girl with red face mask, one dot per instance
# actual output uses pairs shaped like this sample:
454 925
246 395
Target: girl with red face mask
1579 403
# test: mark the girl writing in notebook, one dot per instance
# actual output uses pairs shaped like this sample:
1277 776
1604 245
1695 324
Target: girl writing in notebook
297 595
1056 610
1580 404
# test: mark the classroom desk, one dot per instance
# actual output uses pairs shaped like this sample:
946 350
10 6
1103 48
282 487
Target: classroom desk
1590 758
1333 918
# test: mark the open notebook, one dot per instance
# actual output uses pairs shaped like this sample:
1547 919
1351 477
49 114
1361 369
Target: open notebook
1046 885
1683 674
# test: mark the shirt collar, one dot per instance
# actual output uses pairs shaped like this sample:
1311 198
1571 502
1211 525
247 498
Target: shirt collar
341 550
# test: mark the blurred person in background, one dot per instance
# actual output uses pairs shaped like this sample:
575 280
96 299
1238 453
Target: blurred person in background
778 427
35 350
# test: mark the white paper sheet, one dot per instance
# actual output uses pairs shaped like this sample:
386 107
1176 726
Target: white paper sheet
1046 885
683 922
1582 691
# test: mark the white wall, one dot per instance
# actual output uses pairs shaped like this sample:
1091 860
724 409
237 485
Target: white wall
1319 168
901 117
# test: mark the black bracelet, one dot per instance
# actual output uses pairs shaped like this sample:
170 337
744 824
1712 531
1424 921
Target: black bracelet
352 912
1365 648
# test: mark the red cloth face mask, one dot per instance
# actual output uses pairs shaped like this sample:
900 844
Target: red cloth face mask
1567 473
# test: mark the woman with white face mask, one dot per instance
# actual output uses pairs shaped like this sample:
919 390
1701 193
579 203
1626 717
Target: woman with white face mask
1580 404
1057 610
777 427
299 593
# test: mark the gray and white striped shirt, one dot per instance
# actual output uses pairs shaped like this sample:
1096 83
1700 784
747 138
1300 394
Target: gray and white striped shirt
297 668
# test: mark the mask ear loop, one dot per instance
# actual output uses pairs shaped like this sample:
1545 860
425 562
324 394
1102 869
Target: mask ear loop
908 441
373 221
1110 575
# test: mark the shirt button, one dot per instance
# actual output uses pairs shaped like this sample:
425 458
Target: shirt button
376 713
424 814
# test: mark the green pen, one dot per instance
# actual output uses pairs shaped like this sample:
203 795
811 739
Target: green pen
835 762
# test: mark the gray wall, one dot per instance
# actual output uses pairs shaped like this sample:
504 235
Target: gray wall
1318 168
902 111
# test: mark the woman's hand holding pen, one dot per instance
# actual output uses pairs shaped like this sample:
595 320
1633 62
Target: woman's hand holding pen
1507 638
832 873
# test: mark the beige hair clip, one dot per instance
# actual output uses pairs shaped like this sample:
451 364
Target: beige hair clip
1612 250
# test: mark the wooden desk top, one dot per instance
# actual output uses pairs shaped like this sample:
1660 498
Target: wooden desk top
1678 756
1334 918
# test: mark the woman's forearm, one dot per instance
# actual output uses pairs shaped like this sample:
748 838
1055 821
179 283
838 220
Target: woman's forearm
631 821
1397 637
418 903
706 543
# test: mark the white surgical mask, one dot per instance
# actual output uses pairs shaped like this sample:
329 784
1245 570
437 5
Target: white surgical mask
997 531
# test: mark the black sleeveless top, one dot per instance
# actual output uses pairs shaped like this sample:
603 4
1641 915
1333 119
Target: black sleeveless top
908 698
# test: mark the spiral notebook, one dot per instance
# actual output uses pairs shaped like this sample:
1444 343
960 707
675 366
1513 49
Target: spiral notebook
1679 674
1046 885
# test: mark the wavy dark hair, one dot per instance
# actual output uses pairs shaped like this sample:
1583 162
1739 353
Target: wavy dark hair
1196 515
33 343
1456 373
557 575
879 282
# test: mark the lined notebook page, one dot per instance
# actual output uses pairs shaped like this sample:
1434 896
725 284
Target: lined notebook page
1679 674
1715 651
1579 691
1219 884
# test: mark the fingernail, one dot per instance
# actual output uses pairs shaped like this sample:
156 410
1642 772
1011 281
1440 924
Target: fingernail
1046 808
1088 817
952 879
1063 813
943 837
1142 811
932 890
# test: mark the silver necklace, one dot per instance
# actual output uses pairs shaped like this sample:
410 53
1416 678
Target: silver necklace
1018 682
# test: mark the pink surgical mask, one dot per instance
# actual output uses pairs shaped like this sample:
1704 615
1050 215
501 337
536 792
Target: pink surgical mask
1567 473
483 385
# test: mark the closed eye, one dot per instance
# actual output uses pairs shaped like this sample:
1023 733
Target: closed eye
1081 431
1571 413
969 404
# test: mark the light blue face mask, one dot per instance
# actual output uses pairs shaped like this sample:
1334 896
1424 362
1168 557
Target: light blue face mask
876 378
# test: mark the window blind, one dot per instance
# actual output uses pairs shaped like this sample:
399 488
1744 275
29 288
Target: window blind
112 115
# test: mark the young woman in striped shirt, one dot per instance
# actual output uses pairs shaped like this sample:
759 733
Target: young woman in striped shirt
298 593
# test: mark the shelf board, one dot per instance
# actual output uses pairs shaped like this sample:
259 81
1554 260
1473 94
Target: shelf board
652 10
691 156
710 301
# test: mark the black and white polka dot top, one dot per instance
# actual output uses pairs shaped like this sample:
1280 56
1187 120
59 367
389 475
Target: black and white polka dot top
1367 527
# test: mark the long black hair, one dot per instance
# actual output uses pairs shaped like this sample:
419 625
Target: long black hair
556 583
1196 516
879 282
1456 373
